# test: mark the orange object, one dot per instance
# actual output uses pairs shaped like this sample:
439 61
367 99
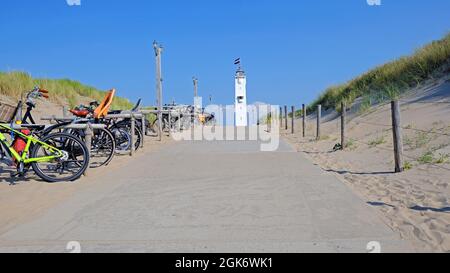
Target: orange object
103 109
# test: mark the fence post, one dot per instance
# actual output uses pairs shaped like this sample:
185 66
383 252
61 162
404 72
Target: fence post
319 117
88 132
304 119
343 121
170 122
144 131
270 117
180 120
133 128
293 120
286 117
398 137
281 117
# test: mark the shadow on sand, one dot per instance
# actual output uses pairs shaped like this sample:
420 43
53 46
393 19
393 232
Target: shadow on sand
342 172
419 208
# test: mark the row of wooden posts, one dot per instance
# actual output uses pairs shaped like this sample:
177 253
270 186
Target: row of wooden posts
396 128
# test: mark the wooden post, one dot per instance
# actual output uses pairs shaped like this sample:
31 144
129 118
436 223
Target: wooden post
319 117
195 80
180 120
170 122
144 130
281 117
304 119
133 128
65 112
293 120
158 52
88 132
343 121
286 117
398 137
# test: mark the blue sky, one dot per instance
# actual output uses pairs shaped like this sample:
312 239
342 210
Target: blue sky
291 50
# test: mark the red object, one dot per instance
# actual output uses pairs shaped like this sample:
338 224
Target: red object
20 143
80 113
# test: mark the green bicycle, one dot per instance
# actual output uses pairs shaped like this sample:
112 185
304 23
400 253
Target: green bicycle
55 157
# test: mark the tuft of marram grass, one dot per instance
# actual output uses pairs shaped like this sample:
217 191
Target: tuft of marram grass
389 80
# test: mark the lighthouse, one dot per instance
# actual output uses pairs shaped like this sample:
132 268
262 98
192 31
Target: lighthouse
241 98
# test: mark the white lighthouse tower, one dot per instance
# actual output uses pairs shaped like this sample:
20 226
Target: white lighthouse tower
241 98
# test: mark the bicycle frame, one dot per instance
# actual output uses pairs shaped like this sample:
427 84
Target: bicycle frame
30 140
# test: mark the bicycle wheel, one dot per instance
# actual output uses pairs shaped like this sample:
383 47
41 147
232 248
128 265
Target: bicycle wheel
122 135
67 168
122 138
103 148
139 139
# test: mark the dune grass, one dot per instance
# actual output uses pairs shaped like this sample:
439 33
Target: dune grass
14 84
389 80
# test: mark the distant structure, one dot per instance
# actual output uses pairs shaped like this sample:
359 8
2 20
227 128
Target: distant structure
241 119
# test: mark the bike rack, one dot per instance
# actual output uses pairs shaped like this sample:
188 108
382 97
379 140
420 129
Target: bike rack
133 116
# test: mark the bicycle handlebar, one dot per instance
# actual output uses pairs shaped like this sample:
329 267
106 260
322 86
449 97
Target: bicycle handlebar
37 93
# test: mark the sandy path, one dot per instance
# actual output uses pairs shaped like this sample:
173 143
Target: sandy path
213 197
29 198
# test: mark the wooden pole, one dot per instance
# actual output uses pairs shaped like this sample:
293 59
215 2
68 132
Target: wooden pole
319 117
304 119
398 137
144 130
88 132
179 120
195 80
281 117
293 120
158 51
286 117
343 121
133 136
170 122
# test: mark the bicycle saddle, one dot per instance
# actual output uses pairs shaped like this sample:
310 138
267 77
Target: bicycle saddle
80 113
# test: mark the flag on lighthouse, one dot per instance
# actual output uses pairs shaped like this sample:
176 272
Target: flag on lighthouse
237 61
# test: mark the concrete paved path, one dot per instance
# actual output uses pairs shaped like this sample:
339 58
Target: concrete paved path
210 197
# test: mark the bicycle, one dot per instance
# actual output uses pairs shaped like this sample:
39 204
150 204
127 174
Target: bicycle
102 145
121 130
54 158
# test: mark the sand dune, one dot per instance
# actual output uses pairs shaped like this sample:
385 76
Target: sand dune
414 203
